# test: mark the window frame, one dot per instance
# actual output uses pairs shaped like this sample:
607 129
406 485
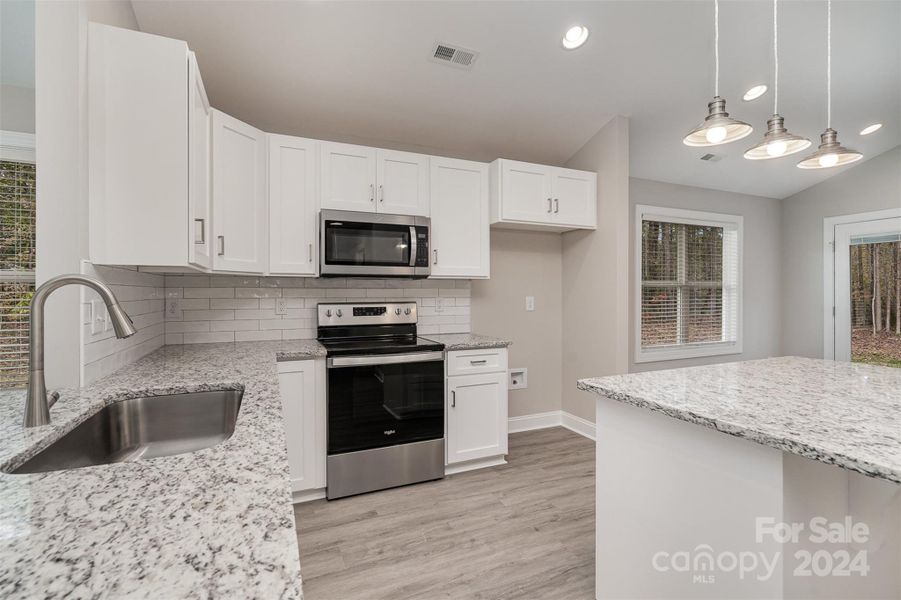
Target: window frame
17 147
688 217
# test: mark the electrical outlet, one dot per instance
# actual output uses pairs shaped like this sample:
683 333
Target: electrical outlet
172 307
281 306
530 303
441 304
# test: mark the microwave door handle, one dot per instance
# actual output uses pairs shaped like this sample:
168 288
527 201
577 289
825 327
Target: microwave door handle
413 246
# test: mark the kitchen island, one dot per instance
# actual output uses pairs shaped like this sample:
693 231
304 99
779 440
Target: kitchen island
215 523
716 481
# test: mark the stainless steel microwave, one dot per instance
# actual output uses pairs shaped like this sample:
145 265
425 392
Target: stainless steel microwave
373 245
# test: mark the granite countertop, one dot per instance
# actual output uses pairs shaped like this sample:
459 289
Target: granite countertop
216 523
840 413
467 341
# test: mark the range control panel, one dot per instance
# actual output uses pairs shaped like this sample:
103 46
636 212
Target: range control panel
366 313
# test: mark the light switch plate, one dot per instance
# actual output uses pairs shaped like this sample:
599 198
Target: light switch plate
99 318
530 303
441 304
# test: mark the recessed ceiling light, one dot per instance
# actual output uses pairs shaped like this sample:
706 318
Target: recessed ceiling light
754 93
575 36
871 128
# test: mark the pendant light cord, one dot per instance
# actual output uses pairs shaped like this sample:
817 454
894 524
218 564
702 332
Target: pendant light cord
829 64
776 57
716 47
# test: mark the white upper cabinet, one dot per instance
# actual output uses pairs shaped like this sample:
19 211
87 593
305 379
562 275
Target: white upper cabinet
403 183
347 177
147 151
200 118
459 213
240 218
293 206
367 179
529 196
575 197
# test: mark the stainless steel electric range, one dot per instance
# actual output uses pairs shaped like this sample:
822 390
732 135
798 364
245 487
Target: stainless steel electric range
385 398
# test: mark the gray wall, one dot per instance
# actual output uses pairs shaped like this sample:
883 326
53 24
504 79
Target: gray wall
872 185
595 273
525 263
761 296
16 108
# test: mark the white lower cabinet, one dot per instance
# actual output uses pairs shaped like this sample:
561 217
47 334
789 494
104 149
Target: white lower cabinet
302 389
477 410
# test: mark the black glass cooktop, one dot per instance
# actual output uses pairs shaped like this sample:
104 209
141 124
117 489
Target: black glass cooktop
379 345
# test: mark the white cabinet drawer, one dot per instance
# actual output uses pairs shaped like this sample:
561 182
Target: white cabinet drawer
467 362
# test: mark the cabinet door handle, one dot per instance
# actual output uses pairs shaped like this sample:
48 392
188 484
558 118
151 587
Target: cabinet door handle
478 362
372 192
556 205
202 232
381 193
453 398
550 204
436 256
221 239
310 250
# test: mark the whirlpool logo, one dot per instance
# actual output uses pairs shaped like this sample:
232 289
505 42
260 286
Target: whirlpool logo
389 432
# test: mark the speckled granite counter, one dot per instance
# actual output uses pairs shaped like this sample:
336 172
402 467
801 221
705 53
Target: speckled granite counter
835 412
467 341
216 523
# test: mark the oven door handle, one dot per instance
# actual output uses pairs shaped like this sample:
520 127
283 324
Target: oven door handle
383 359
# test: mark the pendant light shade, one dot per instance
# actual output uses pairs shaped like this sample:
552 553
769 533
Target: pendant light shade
830 153
777 141
718 128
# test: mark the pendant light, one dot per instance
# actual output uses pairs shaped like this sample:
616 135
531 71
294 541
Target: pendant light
718 127
830 153
777 141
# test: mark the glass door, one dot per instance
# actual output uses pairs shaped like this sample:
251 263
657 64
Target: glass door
867 292
367 244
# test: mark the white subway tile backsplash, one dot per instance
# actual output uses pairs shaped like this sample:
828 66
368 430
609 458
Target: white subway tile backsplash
213 336
141 296
217 292
257 336
243 308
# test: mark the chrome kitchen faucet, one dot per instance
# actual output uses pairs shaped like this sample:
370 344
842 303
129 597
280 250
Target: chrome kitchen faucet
37 403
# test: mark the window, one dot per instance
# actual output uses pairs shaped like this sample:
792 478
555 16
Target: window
17 255
688 284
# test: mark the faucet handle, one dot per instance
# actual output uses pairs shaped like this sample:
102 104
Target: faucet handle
52 397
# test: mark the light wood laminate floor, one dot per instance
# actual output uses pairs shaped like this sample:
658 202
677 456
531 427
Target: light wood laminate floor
521 530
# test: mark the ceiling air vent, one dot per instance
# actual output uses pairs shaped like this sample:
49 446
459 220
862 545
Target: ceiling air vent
454 56
711 157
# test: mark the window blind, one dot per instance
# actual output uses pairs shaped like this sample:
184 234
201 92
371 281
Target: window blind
17 262
689 284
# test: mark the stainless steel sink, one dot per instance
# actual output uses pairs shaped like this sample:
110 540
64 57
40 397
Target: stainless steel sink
141 428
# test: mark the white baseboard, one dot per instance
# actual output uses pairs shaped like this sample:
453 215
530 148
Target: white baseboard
307 495
472 465
554 418
579 425
535 421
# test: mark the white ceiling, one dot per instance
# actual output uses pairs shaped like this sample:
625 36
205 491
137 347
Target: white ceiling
359 71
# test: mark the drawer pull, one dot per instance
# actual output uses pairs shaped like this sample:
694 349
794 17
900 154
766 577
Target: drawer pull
478 362
453 399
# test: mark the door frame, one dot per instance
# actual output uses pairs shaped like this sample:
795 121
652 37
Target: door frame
829 227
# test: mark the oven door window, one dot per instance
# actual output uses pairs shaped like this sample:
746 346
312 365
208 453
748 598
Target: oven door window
383 405
373 244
